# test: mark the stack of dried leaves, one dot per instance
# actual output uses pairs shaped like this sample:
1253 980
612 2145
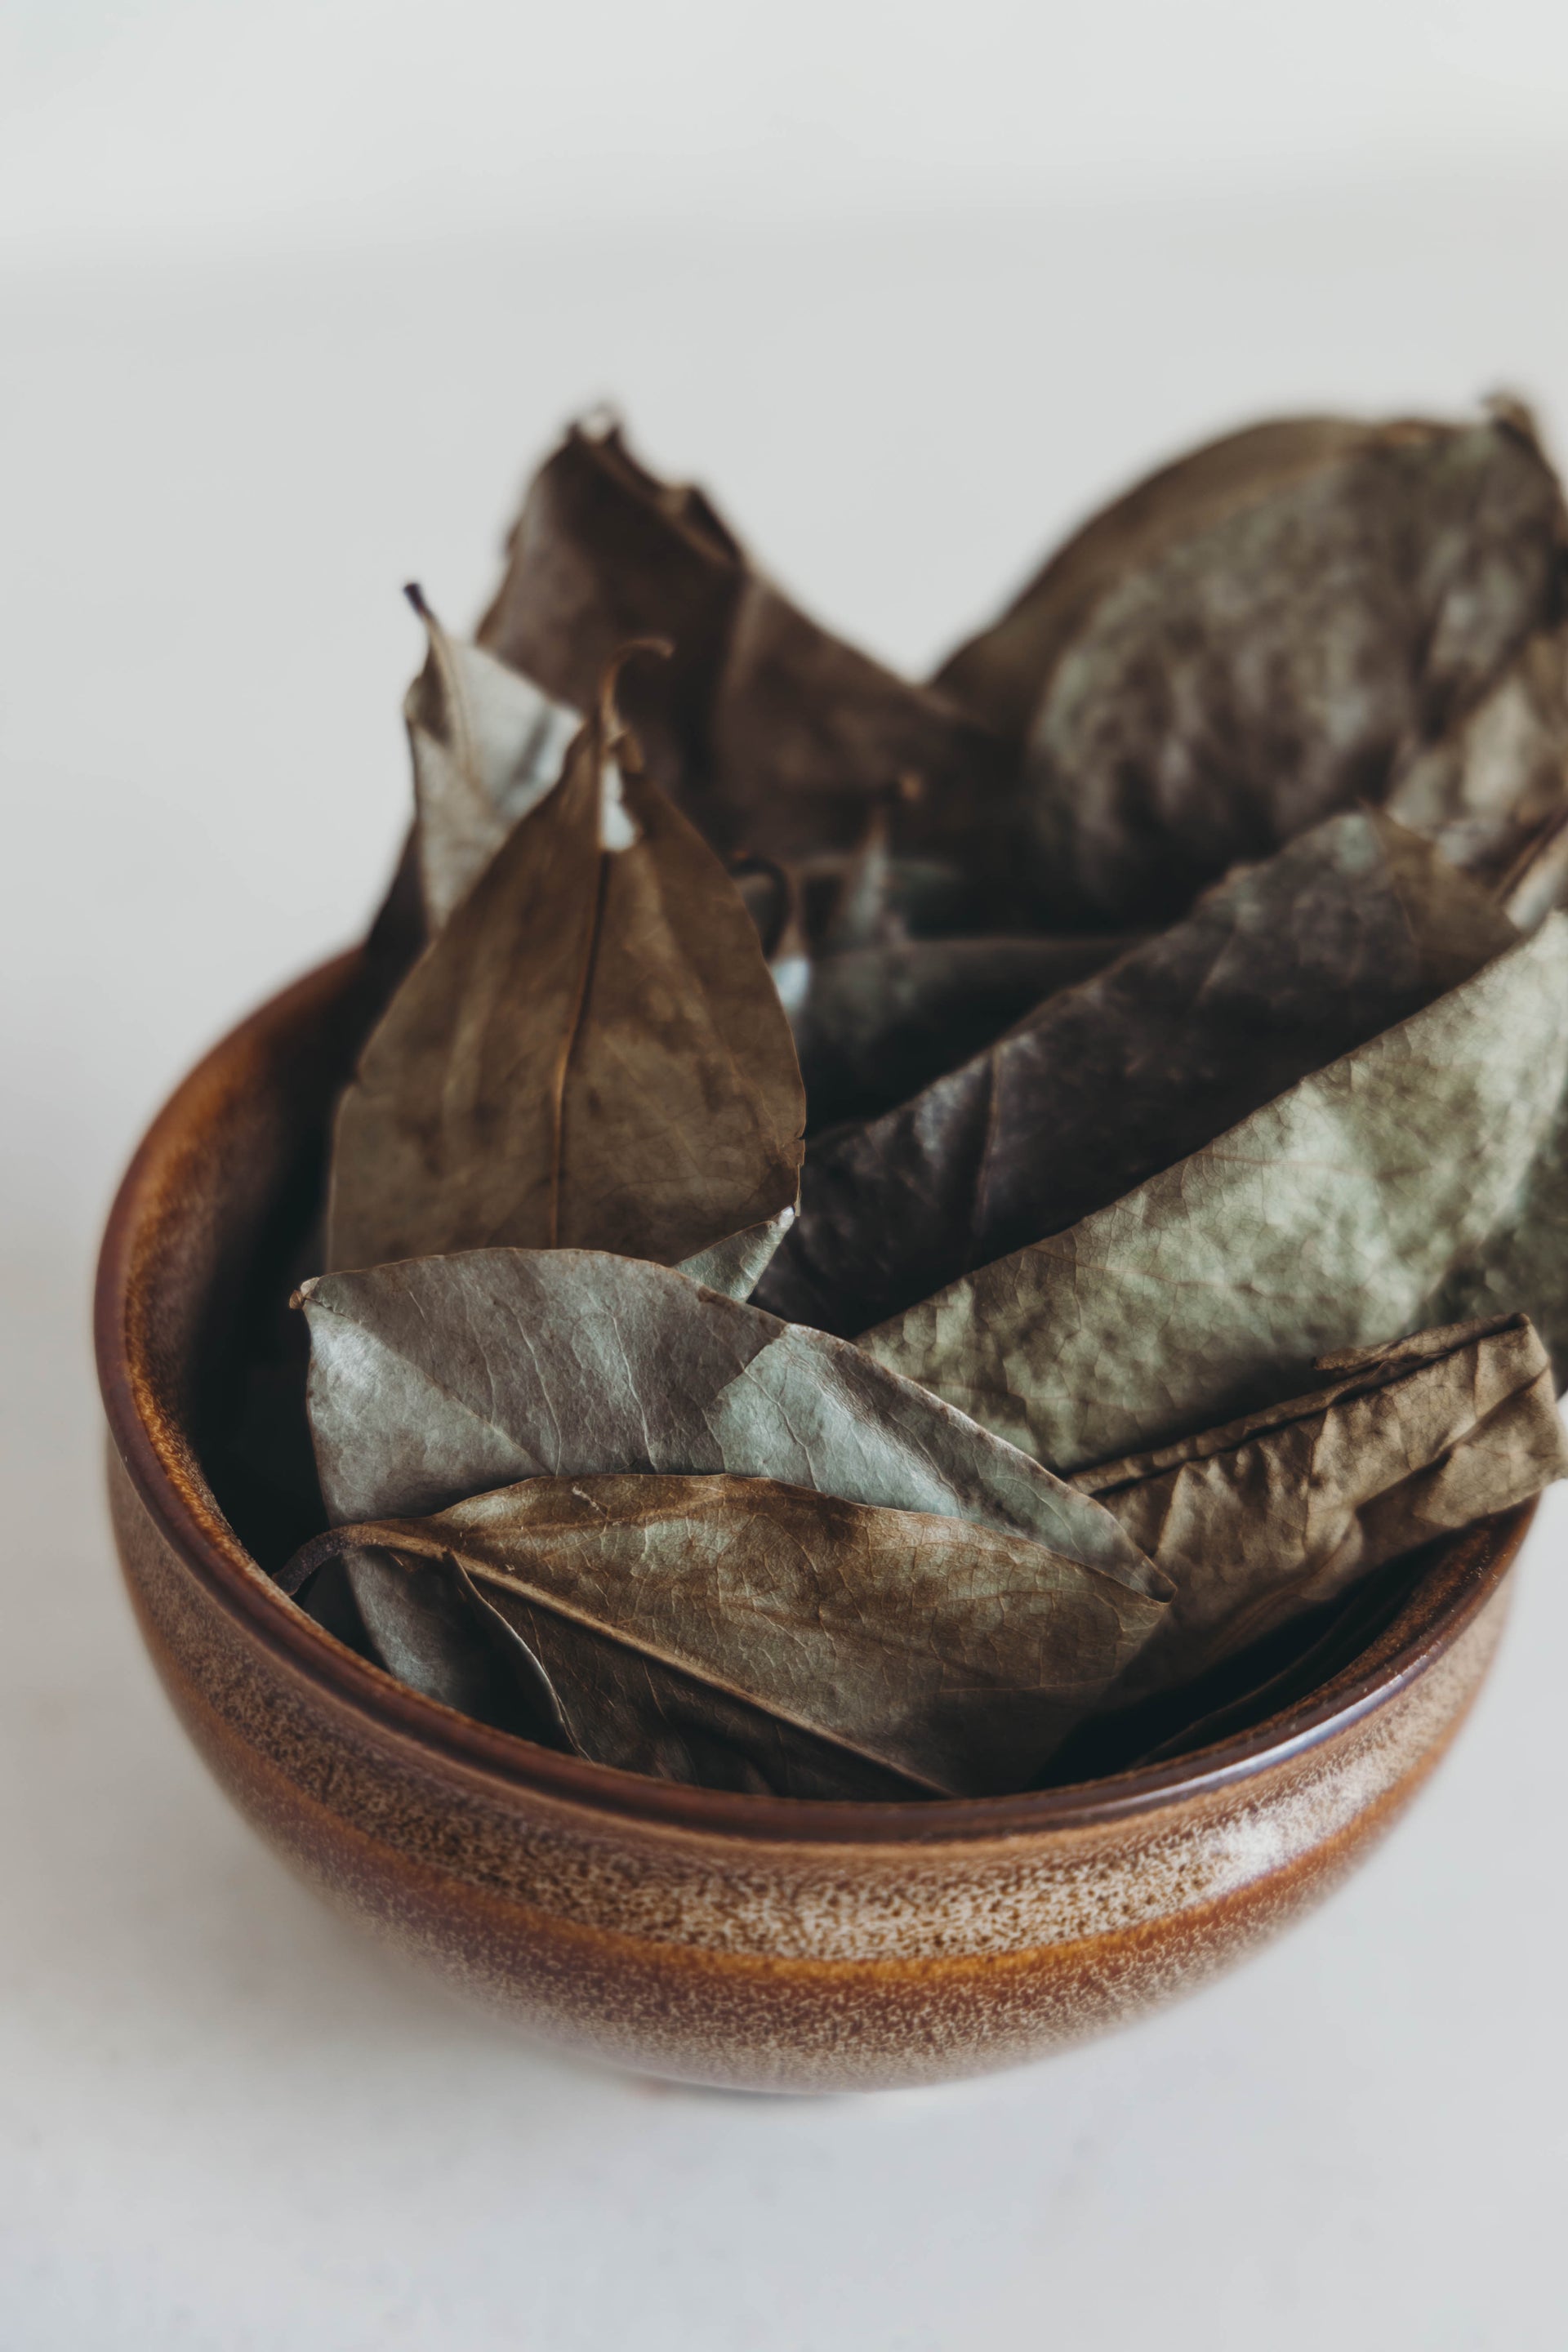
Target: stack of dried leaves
883 1232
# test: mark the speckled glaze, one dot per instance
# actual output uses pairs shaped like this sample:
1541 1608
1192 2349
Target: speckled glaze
732 1939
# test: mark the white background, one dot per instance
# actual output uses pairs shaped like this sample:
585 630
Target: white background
292 296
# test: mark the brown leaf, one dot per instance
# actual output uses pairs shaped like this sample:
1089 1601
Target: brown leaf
1280 624
1282 1511
593 1055
1274 974
603 554
690 1626
774 737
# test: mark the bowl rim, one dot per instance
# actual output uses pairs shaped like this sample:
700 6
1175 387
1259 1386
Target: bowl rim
158 1457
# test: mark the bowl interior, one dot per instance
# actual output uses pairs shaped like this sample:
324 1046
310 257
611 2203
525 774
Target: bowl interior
202 1365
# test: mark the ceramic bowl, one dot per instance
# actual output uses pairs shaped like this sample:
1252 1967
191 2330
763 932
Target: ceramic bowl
743 1940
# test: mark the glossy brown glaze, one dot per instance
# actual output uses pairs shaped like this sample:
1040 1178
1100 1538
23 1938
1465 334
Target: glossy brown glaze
734 1939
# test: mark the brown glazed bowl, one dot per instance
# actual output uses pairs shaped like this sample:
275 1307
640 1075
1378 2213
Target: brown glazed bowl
745 1940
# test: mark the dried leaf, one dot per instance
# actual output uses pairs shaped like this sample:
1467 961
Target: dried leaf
431 1629
875 1024
1500 772
875 1021
1383 1194
1525 1260
774 737
735 1265
397 937
1274 973
486 747
456 1640
865 911
603 554
1282 1511
840 1649
593 1055
1538 884
439 1378
1278 625
1001 674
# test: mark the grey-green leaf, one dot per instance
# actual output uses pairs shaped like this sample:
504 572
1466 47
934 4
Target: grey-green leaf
735 1265
1378 1196
1277 627
487 746
434 1379
1485 786
1274 973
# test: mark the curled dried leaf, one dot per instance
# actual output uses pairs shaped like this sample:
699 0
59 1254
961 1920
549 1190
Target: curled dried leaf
1278 1513
1274 973
1415 1180
438 1377
487 746
751 1632
773 736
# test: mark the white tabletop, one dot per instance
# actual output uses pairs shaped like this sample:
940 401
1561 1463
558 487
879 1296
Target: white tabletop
228 2122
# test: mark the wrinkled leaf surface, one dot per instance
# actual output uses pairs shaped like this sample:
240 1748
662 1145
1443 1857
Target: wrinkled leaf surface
735 1265
689 1624
774 737
1279 971
875 1024
1381 1195
591 1055
1277 627
1282 1511
439 1378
